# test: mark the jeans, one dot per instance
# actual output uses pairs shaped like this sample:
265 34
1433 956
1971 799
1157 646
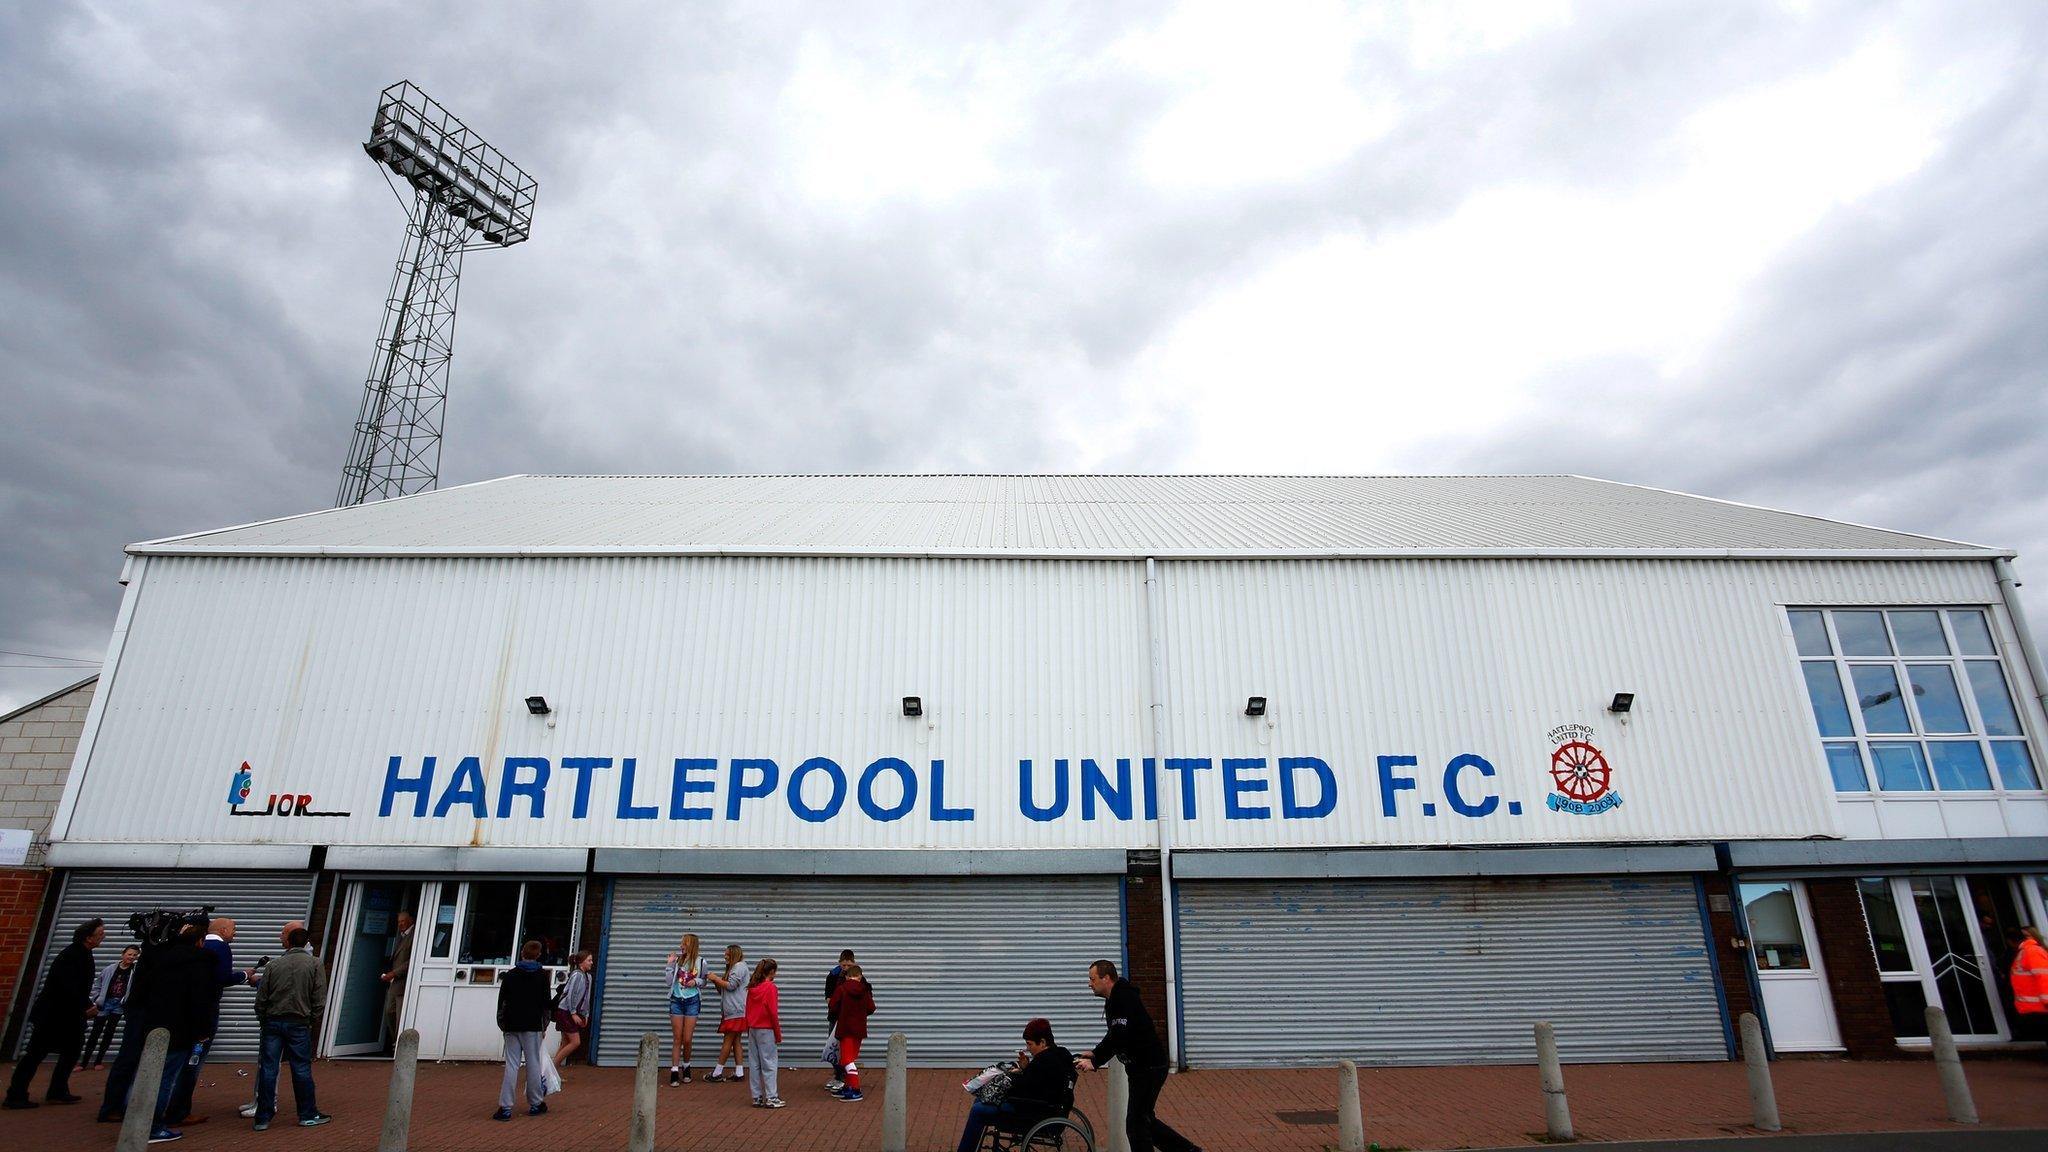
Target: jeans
980 1116
761 1054
100 1038
290 1041
180 1102
121 1077
181 1075
522 1046
1145 1130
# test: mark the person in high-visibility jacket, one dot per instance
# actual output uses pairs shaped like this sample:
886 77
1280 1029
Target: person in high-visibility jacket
2030 975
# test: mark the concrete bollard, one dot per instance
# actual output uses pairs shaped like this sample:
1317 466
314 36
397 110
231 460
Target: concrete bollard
1557 1113
896 1095
645 1093
398 1106
1119 1087
1763 1099
1949 1066
1350 1115
149 1080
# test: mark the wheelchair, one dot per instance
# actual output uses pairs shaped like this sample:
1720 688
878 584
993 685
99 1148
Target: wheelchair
1060 1127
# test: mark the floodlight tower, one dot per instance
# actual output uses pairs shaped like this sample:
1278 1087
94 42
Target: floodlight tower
465 195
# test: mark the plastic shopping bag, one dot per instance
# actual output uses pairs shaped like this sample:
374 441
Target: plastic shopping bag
830 1055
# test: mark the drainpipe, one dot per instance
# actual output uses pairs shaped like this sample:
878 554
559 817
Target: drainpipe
2008 588
1155 613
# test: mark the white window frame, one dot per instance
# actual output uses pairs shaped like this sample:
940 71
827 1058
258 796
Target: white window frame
1957 664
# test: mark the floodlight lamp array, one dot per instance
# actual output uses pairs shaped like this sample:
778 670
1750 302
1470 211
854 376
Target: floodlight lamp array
443 159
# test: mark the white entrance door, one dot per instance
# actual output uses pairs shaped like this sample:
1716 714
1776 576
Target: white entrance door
355 1025
1800 1012
1954 963
476 929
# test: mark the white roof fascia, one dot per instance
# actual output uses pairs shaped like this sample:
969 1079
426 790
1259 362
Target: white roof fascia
365 551
149 547
1785 512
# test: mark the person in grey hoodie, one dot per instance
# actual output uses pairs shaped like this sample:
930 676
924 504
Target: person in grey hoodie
523 1017
290 996
572 1008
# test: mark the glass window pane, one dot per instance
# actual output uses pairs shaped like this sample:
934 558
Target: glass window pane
488 924
1845 764
1994 703
1907 1000
1973 634
1900 767
1811 634
444 923
2015 764
1887 934
1877 693
1959 766
1862 634
1934 693
1824 690
1774 936
1919 633
550 915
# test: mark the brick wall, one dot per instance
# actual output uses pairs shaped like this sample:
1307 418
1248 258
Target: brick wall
21 904
1860 1010
36 745
1733 961
1144 943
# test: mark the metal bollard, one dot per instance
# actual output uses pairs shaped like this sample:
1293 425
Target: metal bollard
398 1106
1763 1099
641 1138
149 1080
1557 1112
1119 1087
1949 1066
1350 1115
896 1095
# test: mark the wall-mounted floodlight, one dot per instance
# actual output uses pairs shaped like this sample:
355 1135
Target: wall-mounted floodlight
538 705
1256 706
1622 702
912 706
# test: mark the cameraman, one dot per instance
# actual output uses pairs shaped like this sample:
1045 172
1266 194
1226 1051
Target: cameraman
181 997
219 951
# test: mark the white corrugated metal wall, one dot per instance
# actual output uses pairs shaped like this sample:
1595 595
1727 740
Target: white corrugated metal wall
260 904
317 671
958 963
1446 971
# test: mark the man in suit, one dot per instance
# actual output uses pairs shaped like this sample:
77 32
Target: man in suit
59 1017
394 978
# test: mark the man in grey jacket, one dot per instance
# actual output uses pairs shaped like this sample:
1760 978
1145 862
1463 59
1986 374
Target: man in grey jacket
290 999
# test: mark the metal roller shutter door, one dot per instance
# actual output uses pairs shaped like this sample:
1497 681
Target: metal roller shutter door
959 963
260 904
1446 971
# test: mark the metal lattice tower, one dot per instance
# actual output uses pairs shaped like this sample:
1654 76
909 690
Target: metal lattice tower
464 195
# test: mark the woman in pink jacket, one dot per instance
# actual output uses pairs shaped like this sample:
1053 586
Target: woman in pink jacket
764 1032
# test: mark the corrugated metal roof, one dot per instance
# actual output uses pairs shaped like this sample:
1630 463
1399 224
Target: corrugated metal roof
1058 516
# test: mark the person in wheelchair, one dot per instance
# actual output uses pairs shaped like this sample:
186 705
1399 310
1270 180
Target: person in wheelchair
1040 1088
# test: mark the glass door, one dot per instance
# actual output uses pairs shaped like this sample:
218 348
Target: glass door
479 928
1797 1006
1950 958
357 1021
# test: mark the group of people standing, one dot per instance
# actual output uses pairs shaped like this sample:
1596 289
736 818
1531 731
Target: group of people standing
750 1020
175 986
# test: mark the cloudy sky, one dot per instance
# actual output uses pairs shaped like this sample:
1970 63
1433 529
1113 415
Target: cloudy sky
1792 253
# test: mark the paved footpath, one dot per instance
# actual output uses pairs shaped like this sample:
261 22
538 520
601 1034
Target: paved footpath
1285 1110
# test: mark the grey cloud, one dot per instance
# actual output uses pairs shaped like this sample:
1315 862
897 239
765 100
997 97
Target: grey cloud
193 251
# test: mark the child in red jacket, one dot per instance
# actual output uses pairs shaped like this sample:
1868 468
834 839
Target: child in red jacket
764 1032
852 1003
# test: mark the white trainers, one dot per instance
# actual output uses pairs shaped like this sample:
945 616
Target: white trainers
834 1085
776 1102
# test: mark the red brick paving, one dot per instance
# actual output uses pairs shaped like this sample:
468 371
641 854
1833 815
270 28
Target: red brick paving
1404 1107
